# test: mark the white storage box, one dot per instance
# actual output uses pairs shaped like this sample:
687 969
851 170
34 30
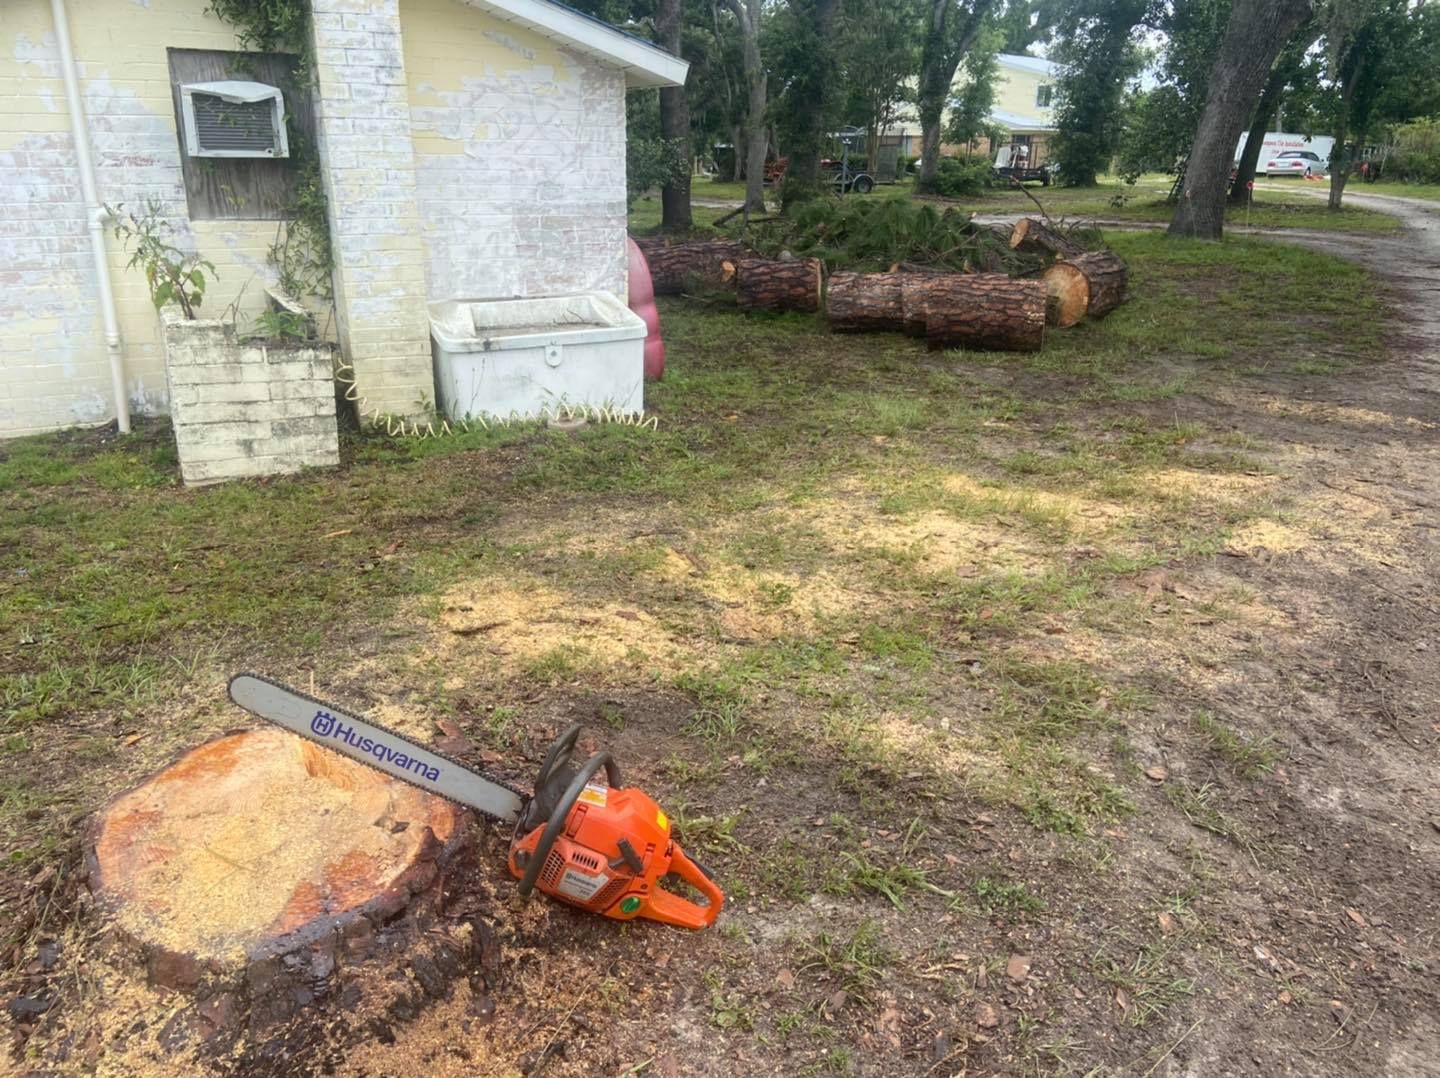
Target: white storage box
529 357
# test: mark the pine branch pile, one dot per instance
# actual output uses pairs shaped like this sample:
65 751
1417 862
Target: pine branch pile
876 235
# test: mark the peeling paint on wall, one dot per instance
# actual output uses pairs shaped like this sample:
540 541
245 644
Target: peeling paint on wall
519 158
54 371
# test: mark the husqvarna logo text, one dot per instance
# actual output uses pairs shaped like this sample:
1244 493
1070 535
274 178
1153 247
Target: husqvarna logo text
325 724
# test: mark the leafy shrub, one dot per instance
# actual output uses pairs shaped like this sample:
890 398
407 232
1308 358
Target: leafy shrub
1416 158
958 178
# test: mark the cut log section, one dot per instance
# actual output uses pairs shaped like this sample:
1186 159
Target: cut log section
685 267
1089 285
865 302
1031 232
986 310
763 284
258 863
917 291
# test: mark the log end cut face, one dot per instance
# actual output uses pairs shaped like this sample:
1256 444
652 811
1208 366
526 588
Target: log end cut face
251 843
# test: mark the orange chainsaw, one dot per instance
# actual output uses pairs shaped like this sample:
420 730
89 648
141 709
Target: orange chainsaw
592 843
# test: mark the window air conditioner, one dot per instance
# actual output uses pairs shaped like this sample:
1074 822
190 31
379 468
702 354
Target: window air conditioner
234 119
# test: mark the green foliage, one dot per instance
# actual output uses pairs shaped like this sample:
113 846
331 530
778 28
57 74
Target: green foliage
874 234
973 99
1099 57
1154 137
301 253
650 160
267 25
1416 158
878 50
173 275
957 177
283 325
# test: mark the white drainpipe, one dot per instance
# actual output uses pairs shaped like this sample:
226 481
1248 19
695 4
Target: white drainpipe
95 215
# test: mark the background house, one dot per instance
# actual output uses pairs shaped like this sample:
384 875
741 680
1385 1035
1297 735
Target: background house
468 150
1024 106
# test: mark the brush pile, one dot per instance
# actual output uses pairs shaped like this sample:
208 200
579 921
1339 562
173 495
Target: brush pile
902 266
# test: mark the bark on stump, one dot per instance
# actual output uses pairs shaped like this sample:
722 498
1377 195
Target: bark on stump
684 267
865 302
986 310
763 284
1090 285
259 868
1035 234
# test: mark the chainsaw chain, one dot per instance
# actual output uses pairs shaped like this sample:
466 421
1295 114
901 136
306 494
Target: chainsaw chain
524 797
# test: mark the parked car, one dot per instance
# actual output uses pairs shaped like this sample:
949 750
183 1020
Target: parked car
1295 163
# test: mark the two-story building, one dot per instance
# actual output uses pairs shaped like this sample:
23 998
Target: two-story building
1024 108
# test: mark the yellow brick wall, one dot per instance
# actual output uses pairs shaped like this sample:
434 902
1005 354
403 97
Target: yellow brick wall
53 366
519 157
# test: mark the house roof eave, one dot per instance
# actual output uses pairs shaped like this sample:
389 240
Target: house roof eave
644 64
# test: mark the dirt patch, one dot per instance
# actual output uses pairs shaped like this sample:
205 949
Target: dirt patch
520 624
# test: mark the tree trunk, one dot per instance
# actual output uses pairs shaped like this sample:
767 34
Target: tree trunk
1256 32
260 868
865 302
747 14
737 169
674 126
1090 285
1255 140
1250 157
950 31
687 267
810 103
1341 160
985 311
763 284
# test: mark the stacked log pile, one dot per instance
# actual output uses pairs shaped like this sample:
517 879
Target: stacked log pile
1067 283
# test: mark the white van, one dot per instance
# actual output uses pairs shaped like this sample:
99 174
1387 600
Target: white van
1278 142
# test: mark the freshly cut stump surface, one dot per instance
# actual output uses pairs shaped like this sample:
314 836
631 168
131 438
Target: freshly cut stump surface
259 844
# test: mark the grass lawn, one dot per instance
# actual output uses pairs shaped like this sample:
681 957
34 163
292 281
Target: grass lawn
1403 190
895 636
1111 200
1146 202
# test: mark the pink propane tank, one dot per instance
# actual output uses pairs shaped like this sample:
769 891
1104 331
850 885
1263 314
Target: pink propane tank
642 302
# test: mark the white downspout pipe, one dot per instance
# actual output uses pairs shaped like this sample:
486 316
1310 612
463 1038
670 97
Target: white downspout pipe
96 216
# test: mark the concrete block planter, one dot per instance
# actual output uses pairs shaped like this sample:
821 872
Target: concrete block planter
247 406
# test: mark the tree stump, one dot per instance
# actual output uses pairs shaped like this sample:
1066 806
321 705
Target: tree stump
1031 232
986 310
1088 285
684 267
864 302
763 284
258 865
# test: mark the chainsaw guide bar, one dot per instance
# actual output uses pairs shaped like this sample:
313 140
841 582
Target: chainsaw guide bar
391 753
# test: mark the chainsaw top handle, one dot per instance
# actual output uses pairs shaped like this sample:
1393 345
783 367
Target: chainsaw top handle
561 812
558 759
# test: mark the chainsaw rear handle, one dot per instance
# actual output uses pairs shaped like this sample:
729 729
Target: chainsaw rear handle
671 909
561 813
